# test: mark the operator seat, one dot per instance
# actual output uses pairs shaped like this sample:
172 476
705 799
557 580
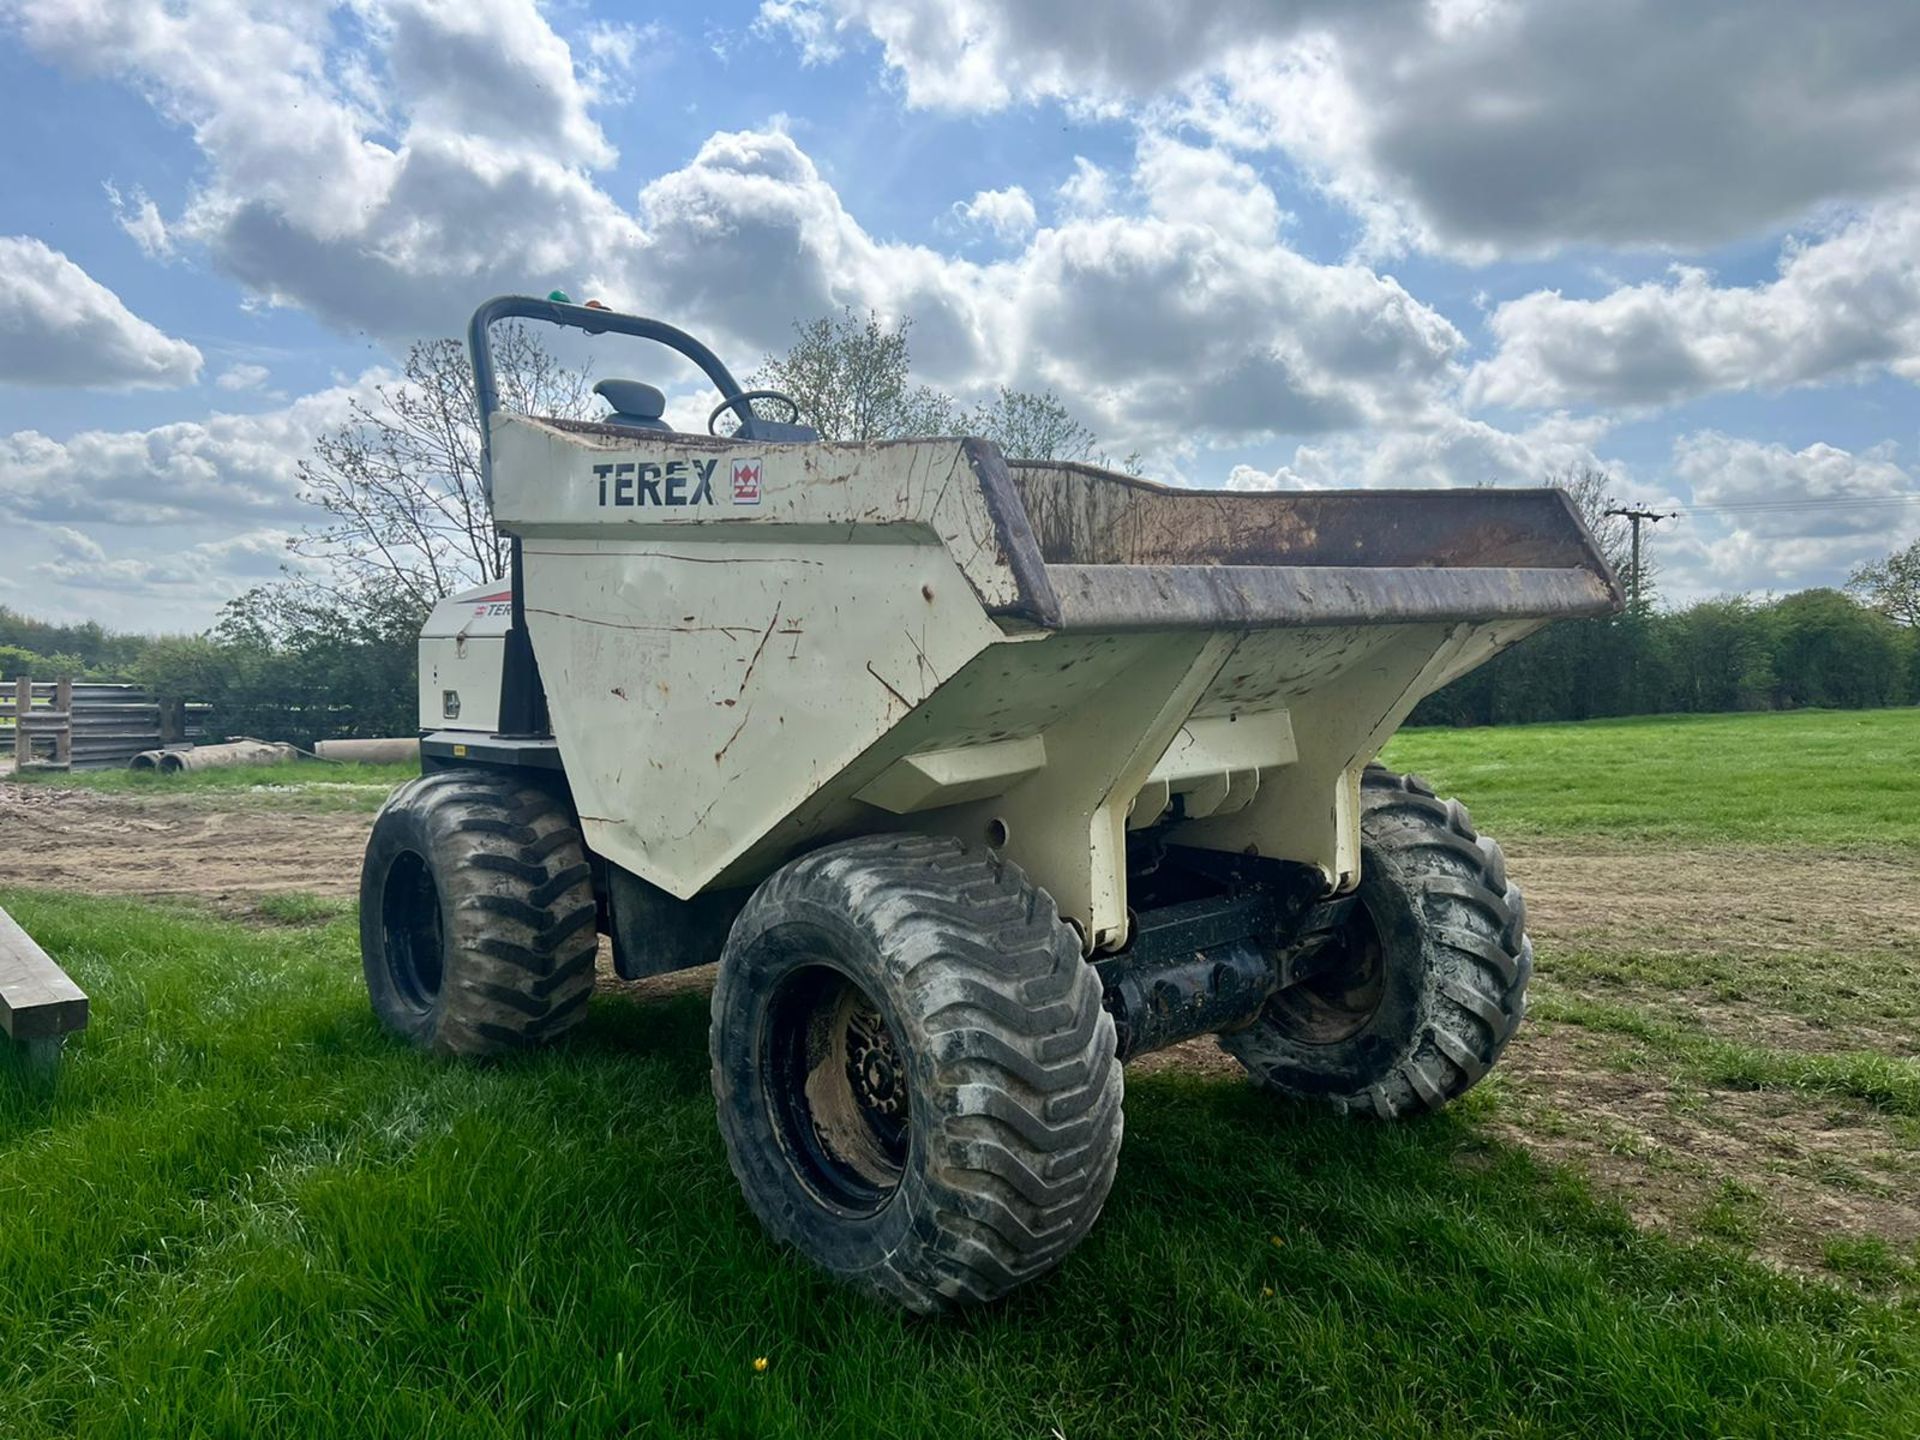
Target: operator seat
636 404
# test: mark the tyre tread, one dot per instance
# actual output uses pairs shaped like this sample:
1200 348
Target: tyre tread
1025 1109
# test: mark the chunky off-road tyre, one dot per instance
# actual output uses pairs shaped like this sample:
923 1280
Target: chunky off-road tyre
916 1080
476 914
1425 983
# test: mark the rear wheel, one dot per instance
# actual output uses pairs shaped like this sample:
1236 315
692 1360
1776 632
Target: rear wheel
1412 999
915 1077
476 914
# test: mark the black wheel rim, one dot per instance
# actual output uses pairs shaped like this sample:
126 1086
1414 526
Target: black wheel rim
410 919
839 1089
1345 990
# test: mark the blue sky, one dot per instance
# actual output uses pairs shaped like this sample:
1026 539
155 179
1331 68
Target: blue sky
1424 242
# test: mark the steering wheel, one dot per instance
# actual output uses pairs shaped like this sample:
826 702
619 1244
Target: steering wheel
744 398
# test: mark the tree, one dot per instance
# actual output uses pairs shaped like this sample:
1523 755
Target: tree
1892 585
400 479
1830 651
1722 654
292 662
1591 490
849 374
1029 426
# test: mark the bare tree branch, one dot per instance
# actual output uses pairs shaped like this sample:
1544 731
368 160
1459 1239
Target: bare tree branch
400 480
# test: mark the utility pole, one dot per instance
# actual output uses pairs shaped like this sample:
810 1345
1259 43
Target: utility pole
1637 516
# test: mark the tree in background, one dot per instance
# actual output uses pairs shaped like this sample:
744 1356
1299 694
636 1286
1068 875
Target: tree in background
849 374
1831 651
1591 490
330 649
1892 585
46 651
1721 655
289 662
1029 426
399 481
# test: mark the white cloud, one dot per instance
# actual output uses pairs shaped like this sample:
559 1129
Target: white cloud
806 24
243 377
1765 517
140 218
986 54
492 70
1008 214
1157 327
226 468
1186 183
1820 491
177 587
1447 451
1088 191
619 51
60 326
1842 306
443 152
390 208
1512 125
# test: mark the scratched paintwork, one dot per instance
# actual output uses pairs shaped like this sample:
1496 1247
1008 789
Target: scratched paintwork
726 681
544 483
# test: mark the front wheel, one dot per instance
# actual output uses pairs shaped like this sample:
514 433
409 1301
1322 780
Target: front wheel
1413 998
915 1077
476 914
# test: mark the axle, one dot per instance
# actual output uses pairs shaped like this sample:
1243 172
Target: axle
1209 965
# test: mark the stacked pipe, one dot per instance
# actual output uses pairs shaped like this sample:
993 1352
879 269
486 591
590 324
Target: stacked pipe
209 757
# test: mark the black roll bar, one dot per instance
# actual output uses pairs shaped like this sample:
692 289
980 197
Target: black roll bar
594 321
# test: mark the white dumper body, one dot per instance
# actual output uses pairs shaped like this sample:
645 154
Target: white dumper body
976 779
749 648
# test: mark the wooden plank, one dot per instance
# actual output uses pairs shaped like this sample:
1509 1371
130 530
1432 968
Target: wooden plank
37 1000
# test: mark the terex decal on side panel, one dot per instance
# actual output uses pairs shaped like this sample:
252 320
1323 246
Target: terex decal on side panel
674 483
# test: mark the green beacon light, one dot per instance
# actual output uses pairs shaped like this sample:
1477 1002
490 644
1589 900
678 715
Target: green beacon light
559 297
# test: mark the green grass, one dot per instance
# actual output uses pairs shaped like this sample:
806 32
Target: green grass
297 908
239 1209
1846 779
1869 1260
319 784
1887 1083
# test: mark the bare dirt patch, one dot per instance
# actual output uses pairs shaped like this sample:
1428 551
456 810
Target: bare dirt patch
1781 901
1779 1173
107 844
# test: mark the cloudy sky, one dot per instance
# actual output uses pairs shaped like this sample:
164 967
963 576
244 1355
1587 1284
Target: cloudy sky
1263 242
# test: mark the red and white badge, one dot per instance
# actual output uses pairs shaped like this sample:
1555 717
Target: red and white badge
746 482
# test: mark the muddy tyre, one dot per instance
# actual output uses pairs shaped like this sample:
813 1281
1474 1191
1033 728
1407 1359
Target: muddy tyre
915 1077
1426 982
476 915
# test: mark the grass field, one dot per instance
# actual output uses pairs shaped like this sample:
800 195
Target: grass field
1840 779
240 1210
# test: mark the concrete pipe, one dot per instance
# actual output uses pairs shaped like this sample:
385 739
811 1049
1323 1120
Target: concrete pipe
237 752
399 751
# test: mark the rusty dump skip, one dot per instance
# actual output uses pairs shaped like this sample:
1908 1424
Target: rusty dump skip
1122 553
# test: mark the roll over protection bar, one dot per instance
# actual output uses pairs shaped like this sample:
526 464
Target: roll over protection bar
594 321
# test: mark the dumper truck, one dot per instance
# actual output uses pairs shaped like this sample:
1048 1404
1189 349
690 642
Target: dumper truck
977 778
